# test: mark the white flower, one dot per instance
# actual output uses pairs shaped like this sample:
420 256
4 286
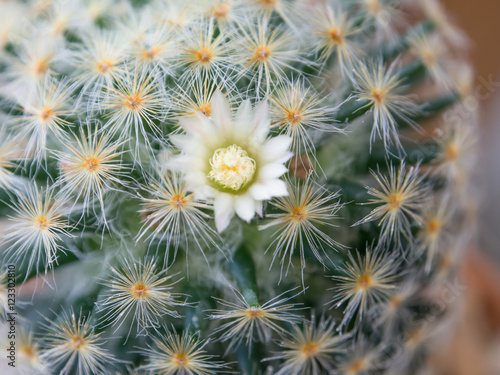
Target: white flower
230 159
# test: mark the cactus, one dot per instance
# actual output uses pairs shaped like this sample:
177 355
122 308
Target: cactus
231 186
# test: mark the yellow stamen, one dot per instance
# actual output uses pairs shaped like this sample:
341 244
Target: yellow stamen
232 168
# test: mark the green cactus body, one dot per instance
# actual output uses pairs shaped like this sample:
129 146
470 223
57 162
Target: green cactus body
231 186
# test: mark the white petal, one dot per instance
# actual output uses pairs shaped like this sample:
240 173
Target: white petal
271 171
221 112
197 129
244 113
177 163
275 148
245 207
243 121
195 179
259 192
258 208
186 163
286 156
179 140
191 125
209 192
276 188
262 124
223 211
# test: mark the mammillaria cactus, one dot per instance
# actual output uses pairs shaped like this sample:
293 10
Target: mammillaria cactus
230 186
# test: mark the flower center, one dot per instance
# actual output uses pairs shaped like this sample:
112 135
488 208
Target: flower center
232 168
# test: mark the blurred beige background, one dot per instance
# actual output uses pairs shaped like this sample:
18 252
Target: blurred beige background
481 20
475 345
